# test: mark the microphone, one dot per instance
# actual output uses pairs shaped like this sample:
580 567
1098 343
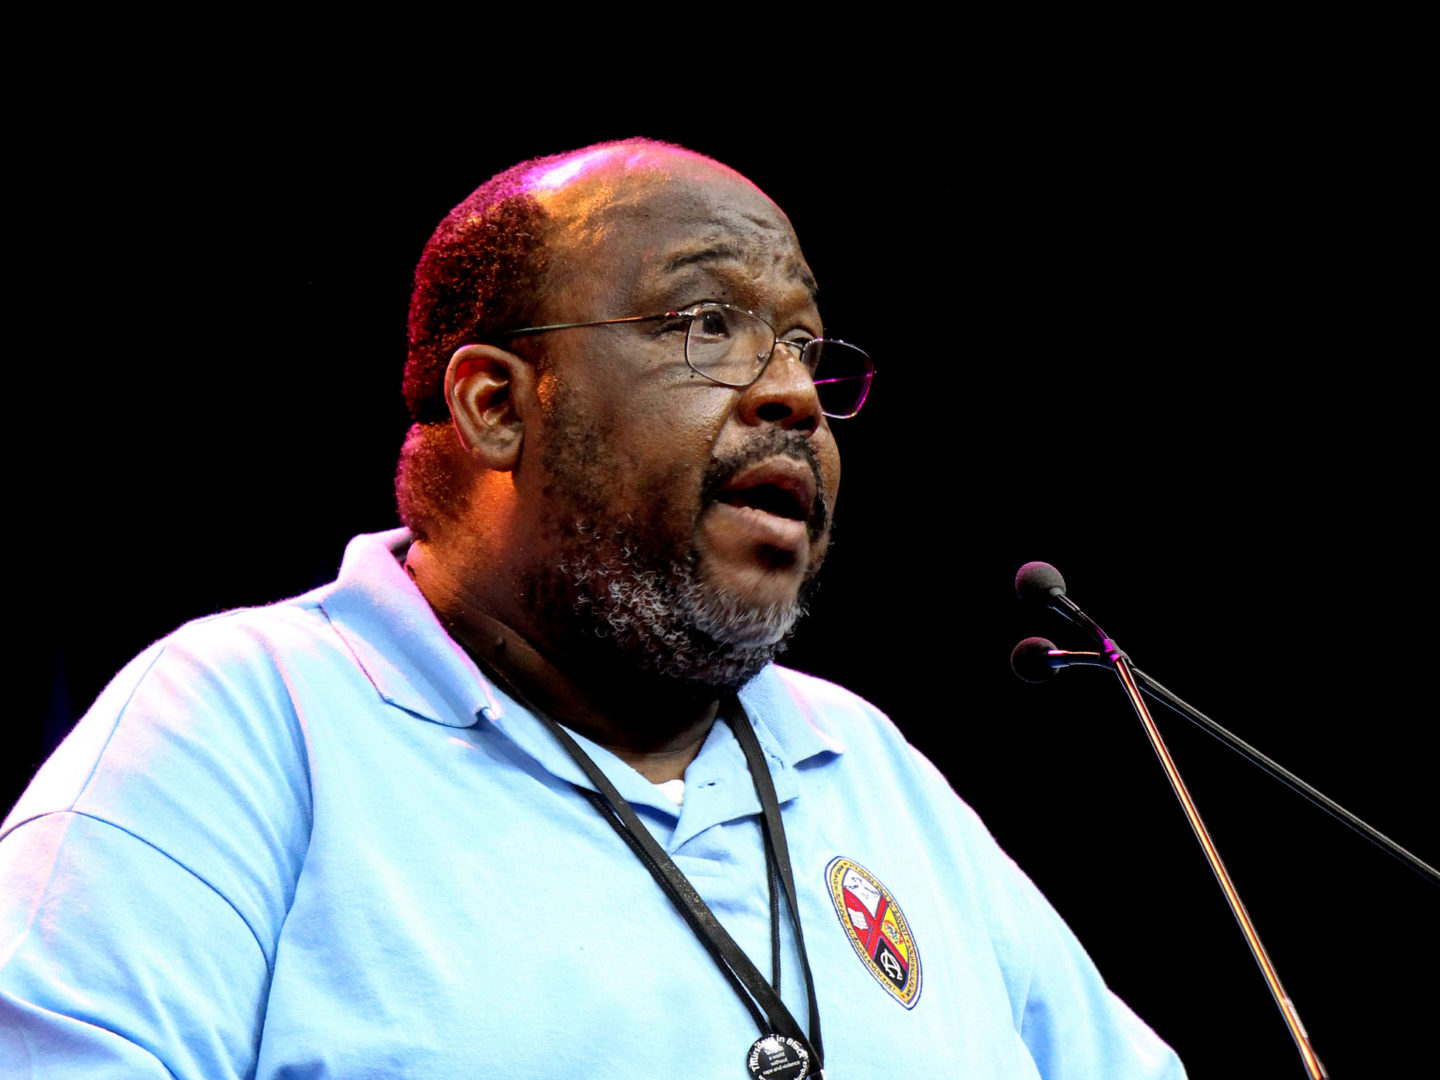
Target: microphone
1036 659
1040 585
1038 582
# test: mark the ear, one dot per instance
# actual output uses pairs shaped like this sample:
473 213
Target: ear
486 388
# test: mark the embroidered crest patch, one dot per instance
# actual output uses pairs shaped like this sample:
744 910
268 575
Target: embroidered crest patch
877 929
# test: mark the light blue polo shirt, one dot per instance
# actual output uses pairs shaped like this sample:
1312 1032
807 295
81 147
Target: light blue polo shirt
313 840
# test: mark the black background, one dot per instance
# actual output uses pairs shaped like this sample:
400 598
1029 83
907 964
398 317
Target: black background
1160 338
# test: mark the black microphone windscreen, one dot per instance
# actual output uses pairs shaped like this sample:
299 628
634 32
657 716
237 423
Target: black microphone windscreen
1035 581
1031 658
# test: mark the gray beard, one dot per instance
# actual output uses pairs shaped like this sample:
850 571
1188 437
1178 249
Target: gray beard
634 584
666 621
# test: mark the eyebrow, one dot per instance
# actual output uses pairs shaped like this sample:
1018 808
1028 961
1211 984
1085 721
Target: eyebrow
723 252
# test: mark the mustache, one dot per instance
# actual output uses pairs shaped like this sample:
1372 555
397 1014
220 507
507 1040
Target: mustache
774 442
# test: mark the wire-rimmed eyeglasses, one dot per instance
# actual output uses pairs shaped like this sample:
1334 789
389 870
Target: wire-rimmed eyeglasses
731 346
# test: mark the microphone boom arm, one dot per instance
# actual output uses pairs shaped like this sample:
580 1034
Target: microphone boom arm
1285 776
1037 659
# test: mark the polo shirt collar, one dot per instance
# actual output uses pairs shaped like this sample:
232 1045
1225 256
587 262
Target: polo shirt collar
391 630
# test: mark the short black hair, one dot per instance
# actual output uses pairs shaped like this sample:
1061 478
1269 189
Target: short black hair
481 274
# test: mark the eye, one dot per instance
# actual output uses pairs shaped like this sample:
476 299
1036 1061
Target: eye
710 324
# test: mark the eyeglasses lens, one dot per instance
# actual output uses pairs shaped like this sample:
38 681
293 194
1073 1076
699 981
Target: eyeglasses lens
842 377
727 344
730 345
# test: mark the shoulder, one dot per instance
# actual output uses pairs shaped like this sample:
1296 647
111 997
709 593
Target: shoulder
873 753
820 691
216 694
238 661
865 739
824 704
840 716
193 763
253 636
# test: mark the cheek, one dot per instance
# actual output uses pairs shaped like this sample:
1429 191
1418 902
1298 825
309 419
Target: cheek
655 470
667 487
666 447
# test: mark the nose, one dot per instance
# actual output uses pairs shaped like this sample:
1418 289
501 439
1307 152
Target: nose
784 394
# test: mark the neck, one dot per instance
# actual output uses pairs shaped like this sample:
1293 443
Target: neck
650 723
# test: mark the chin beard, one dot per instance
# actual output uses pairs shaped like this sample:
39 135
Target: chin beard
633 584
670 623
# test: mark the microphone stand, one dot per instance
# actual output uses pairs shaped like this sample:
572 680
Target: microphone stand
1272 980
1120 664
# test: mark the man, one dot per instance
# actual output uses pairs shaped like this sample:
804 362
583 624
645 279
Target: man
521 794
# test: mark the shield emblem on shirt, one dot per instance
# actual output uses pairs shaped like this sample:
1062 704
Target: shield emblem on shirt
877 928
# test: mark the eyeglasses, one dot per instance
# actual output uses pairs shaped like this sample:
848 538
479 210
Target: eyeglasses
731 346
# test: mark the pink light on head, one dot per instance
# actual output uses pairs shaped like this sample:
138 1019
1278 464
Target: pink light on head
630 156
557 176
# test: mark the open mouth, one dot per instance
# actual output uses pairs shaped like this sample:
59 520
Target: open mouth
775 503
770 498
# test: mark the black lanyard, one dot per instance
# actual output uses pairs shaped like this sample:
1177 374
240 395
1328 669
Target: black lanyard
758 995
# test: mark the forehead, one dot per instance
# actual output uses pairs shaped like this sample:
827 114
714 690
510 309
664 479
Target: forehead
635 226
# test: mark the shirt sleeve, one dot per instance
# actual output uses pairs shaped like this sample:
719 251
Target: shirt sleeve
1073 1025
118 956
146 873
